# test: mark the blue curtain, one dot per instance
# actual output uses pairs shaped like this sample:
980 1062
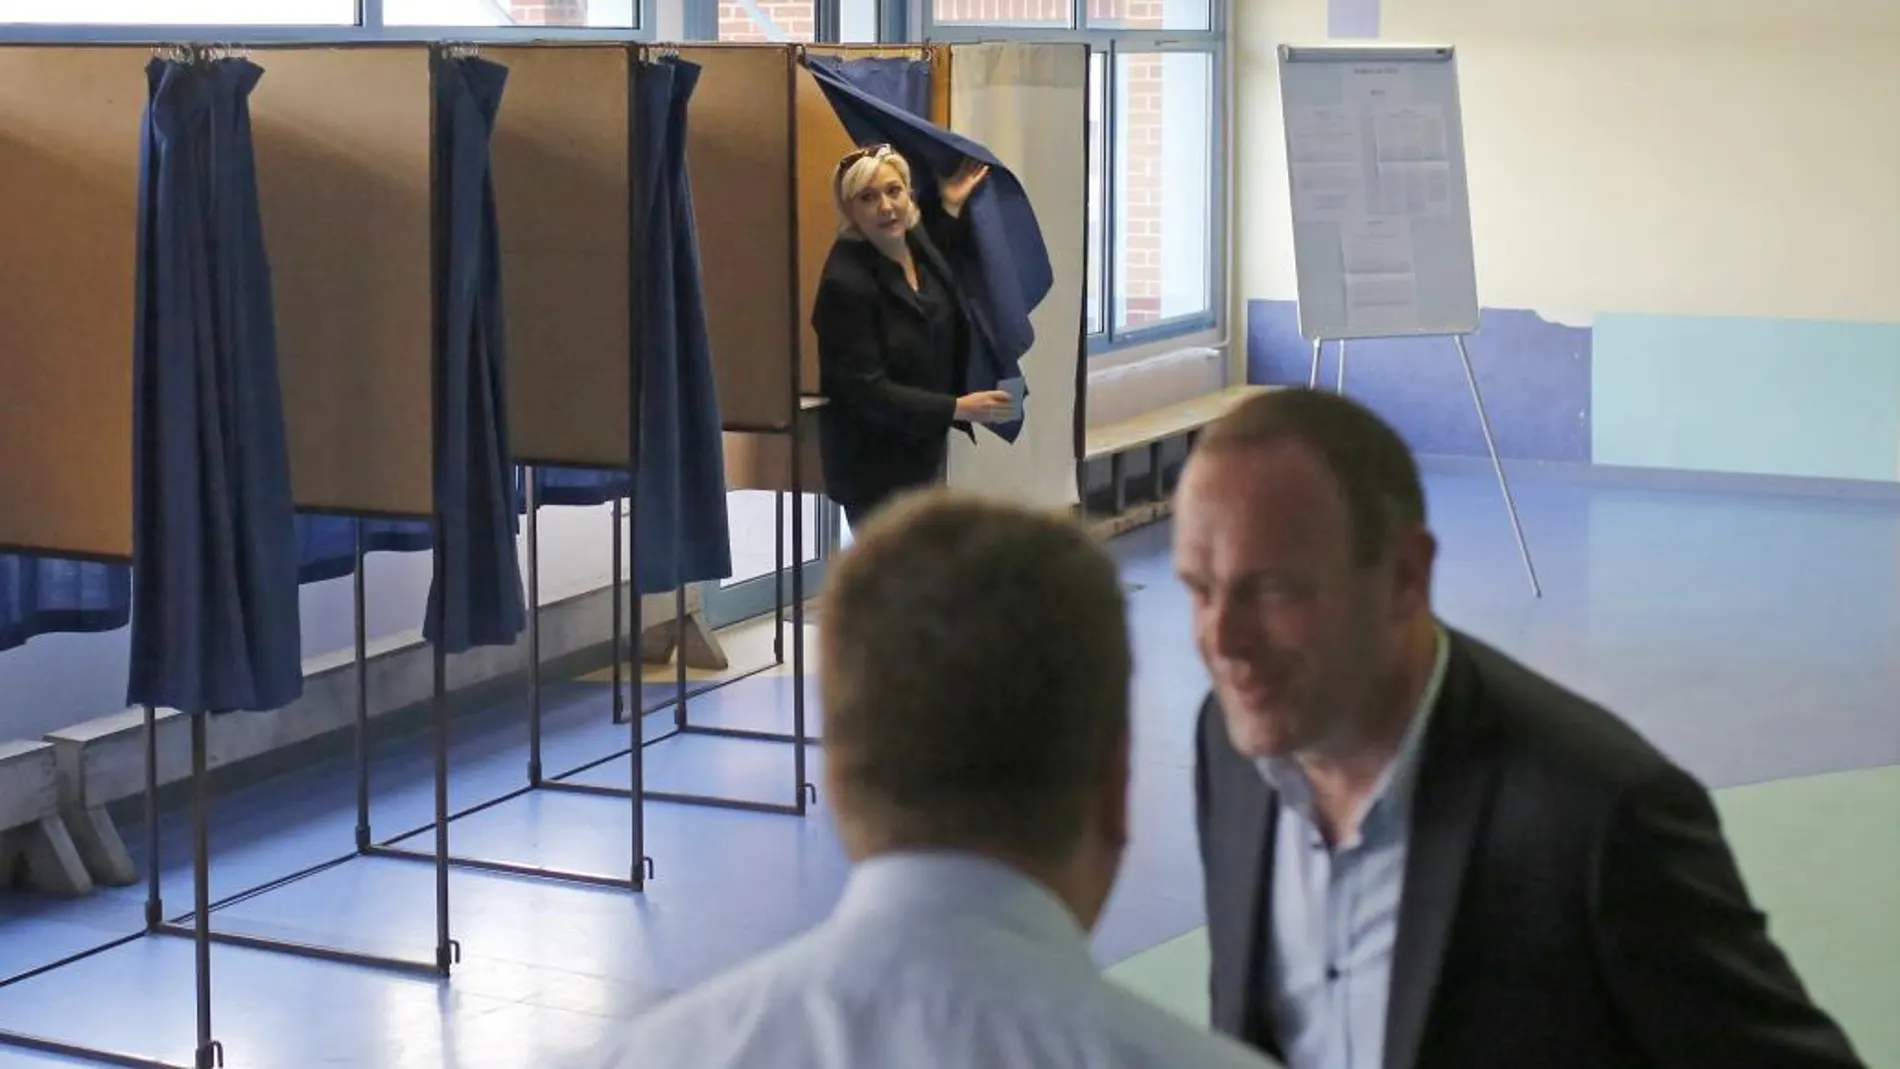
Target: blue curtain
901 83
476 599
1003 270
44 595
214 569
579 486
327 544
681 534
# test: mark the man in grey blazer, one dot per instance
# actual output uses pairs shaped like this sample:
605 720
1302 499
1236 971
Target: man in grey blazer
1420 854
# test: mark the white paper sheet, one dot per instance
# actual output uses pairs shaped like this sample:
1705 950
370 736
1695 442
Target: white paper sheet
1377 245
1374 85
1382 304
1324 133
1408 133
1417 190
1328 192
1379 264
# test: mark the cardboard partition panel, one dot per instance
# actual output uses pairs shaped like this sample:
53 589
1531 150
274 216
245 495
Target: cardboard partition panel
940 83
822 141
741 154
560 156
70 121
344 175
763 461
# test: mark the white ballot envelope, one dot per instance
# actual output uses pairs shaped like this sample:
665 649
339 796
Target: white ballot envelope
1016 391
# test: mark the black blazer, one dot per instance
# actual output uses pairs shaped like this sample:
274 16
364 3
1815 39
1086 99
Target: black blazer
1569 900
891 398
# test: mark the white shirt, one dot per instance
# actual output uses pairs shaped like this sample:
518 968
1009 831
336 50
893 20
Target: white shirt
931 961
1336 911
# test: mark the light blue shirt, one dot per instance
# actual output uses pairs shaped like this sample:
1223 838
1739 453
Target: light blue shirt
1336 912
931 961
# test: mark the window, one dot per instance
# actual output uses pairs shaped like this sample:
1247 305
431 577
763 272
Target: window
1151 194
752 522
1098 192
1163 189
178 12
577 14
1149 14
858 21
1153 151
1040 14
288 17
767 20
1187 15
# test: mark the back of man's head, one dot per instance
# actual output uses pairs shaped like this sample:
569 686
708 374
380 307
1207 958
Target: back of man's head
975 666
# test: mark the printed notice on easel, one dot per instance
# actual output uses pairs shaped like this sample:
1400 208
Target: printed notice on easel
1414 173
1375 85
1409 133
1326 147
1379 198
1328 192
1380 271
1418 190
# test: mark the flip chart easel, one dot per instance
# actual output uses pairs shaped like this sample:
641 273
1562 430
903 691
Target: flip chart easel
1381 210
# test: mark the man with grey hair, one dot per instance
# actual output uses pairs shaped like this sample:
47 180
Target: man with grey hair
975 668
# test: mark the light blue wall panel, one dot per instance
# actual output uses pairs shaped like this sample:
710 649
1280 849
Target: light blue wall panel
1761 396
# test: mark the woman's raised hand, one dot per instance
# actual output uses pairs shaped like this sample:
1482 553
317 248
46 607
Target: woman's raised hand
958 187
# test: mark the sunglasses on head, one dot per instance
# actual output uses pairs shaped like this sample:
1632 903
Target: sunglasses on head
868 152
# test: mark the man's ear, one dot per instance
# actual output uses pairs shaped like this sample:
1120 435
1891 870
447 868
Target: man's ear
1413 553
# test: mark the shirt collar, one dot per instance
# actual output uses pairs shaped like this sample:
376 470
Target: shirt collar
1392 793
942 883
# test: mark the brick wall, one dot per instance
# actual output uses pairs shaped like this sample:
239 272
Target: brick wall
795 19
548 12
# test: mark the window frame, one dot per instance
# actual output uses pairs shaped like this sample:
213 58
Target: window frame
1212 323
369 27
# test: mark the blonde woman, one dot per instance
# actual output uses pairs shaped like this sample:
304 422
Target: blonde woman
893 334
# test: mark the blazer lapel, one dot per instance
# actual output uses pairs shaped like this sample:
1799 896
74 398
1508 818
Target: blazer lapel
1453 787
1259 926
1245 818
932 258
891 278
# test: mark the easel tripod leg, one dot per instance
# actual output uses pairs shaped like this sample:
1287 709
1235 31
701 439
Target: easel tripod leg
1510 505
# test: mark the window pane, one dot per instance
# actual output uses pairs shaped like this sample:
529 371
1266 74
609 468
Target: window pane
1163 186
1098 188
767 20
1043 13
857 21
181 12
574 14
1148 15
752 521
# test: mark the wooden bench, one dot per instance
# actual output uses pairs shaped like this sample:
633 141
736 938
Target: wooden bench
35 847
1152 430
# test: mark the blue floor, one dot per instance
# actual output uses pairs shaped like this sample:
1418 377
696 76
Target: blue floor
1751 637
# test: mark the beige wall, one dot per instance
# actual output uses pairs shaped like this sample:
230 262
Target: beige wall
1740 158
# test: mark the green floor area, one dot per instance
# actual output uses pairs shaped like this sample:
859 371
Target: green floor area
1822 858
